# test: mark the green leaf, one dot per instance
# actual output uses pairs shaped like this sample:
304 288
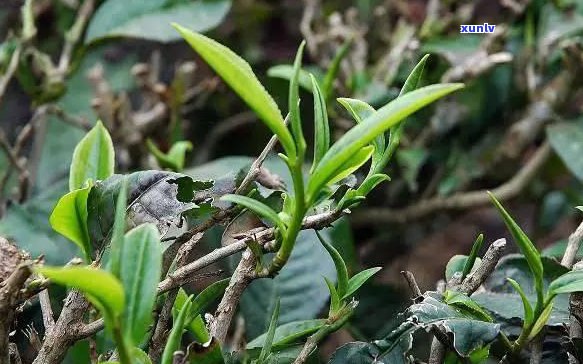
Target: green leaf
567 283
362 134
412 83
528 312
360 110
288 334
335 303
352 164
567 141
528 249
369 353
238 74
294 101
207 296
541 321
286 72
174 159
69 218
140 357
118 230
150 19
268 342
93 158
358 280
371 182
321 126
466 304
332 72
175 337
469 265
457 263
140 269
341 271
257 207
102 288
206 353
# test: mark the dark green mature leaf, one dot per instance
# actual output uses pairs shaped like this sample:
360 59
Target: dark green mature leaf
150 19
567 141
140 269
238 74
567 283
321 126
358 280
268 342
466 305
368 353
473 257
288 334
102 288
175 336
152 197
69 218
530 252
93 158
341 271
376 124
468 333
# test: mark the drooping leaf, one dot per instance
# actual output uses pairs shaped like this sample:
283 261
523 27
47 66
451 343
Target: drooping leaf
530 252
150 19
321 126
174 159
238 74
140 269
101 288
286 71
69 218
152 197
528 312
358 280
363 133
175 337
93 158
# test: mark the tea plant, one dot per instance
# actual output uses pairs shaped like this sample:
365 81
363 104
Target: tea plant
133 267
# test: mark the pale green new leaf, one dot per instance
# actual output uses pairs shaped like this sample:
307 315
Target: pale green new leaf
238 74
541 321
354 163
376 124
257 207
334 296
175 157
341 271
175 337
266 349
93 158
530 252
321 126
294 102
359 279
69 218
140 269
528 312
101 287
286 71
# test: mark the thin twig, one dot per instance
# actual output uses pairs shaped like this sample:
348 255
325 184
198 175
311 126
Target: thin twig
413 286
459 201
46 309
573 247
12 66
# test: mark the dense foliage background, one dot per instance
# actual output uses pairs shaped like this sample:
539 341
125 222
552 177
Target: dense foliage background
515 130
